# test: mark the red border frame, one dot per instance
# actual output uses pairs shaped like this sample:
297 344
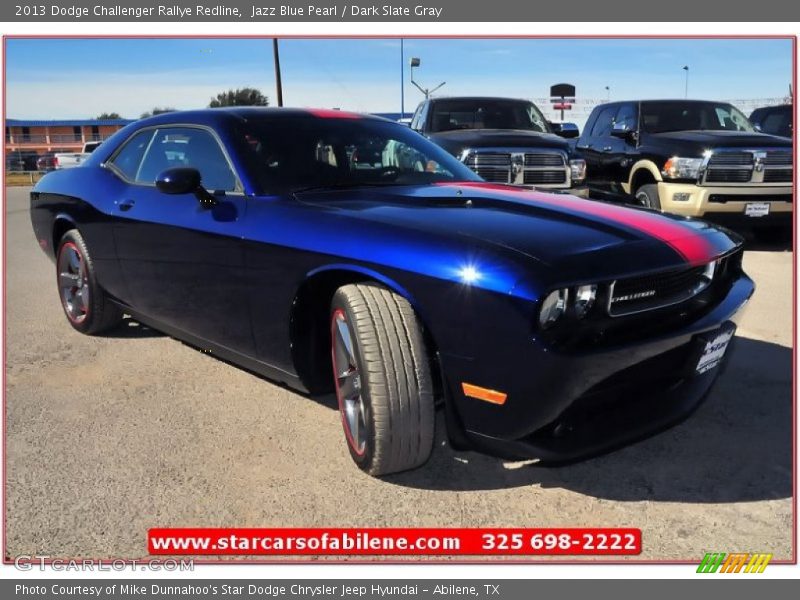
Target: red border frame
487 560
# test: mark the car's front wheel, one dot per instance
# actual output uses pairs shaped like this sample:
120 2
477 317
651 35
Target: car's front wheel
382 378
647 196
85 303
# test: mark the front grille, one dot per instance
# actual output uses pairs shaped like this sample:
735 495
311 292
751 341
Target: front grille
717 175
731 158
750 166
544 177
544 160
778 175
779 158
519 168
638 294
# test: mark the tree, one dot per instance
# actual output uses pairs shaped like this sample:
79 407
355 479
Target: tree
106 116
239 97
158 110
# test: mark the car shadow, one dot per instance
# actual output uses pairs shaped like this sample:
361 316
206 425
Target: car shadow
131 329
737 447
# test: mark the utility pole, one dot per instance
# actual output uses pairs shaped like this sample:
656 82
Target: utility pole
278 83
402 82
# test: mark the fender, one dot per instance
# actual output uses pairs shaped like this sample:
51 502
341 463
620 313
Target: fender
647 165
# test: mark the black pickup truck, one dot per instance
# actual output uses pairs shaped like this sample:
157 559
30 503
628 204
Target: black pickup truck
503 140
689 157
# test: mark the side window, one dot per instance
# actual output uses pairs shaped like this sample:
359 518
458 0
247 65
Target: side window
187 147
128 159
776 123
422 116
415 120
602 126
626 116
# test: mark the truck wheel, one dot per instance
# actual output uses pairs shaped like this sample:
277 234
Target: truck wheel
85 303
647 196
382 378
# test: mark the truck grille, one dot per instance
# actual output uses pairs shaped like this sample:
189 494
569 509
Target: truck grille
751 166
548 169
649 292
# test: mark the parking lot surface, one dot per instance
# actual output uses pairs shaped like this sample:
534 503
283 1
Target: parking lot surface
109 436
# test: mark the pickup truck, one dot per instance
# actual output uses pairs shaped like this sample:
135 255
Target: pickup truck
689 157
67 160
776 120
504 140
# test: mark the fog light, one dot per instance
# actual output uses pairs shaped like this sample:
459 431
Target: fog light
553 307
584 299
681 197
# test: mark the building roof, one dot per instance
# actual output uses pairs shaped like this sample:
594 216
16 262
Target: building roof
65 122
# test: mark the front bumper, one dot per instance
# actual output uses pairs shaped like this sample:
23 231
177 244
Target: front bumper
567 407
730 200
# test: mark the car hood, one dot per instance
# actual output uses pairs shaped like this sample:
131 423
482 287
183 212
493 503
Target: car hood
727 139
578 237
498 138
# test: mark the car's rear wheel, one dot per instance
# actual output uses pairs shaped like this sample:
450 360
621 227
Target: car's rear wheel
382 378
647 196
86 305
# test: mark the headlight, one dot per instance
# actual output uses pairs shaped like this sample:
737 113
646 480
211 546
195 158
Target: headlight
584 299
577 169
553 307
682 168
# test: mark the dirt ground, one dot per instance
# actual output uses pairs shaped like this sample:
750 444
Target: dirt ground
107 437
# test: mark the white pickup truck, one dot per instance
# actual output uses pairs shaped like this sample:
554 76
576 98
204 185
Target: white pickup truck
67 160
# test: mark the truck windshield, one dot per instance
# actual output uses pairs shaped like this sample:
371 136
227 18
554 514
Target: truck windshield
479 113
660 117
299 153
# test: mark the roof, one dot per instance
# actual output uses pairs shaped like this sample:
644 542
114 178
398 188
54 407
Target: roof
66 122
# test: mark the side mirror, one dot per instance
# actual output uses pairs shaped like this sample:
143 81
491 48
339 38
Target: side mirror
179 180
565 130
185 180
622 131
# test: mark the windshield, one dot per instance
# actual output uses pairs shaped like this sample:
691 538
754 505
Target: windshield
449 115
659 117
292 154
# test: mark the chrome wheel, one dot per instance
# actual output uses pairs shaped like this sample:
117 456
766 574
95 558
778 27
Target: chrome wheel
73 282
348 383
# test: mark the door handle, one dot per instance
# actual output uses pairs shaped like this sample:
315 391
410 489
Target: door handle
126 205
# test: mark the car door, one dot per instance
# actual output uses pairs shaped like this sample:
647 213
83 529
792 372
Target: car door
622 153
182 263
596 148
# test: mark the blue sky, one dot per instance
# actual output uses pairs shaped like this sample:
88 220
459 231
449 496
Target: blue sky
65 78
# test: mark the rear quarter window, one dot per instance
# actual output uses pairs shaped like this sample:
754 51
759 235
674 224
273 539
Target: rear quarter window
129 157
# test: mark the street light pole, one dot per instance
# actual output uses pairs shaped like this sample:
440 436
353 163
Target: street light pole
686 90
415 62
608 93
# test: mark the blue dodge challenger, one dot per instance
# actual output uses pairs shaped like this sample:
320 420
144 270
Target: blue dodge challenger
339 252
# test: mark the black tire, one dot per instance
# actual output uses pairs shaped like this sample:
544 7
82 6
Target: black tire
390 383
647 196
86 305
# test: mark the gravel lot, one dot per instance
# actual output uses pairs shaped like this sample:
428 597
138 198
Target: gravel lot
107 437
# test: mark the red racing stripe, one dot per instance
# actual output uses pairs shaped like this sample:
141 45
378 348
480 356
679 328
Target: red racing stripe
694 247
329 113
